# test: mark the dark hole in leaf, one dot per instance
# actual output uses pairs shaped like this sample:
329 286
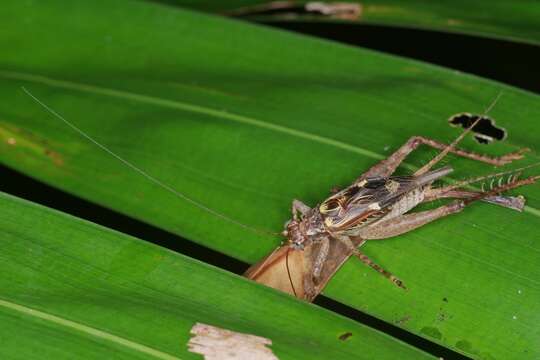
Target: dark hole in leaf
484 132
345 336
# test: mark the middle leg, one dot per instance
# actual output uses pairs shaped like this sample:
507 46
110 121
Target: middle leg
367 261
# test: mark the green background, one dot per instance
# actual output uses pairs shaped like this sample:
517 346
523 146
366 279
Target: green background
243 119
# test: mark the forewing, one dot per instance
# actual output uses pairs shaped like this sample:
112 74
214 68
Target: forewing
364 202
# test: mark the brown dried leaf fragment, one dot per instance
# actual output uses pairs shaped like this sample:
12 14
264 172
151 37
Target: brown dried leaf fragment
283 270
298 280
220 344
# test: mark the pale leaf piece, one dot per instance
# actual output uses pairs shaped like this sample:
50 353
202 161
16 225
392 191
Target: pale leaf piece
221 344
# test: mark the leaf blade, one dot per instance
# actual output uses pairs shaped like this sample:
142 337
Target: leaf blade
104 289
359 98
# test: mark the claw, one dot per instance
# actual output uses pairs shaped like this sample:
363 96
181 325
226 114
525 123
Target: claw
516 155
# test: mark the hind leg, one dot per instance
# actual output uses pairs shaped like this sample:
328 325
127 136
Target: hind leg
511 202
407 222
387 166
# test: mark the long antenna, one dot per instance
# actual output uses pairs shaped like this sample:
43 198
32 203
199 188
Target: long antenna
146 175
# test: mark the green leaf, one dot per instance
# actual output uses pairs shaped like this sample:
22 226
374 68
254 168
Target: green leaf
244 119
510 20
77 288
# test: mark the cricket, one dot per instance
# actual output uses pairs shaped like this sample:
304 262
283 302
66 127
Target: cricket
377 205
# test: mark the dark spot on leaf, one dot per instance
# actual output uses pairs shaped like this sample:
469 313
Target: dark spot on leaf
32 143
431 332
403 320
465 346
54 156
345 336
484 131
445 300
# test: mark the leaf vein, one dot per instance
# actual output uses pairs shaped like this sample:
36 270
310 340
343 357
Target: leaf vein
87 330
122 94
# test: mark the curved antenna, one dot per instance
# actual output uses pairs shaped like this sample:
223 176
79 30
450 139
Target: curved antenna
148 176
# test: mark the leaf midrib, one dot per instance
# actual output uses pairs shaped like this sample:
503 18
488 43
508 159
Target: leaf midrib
188 107
88 330
122 94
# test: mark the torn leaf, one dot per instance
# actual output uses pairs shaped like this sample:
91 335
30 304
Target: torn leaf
220 344
485 131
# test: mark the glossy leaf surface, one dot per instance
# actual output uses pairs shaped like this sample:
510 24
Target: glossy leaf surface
243 119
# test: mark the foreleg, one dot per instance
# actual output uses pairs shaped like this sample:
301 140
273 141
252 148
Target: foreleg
321 257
